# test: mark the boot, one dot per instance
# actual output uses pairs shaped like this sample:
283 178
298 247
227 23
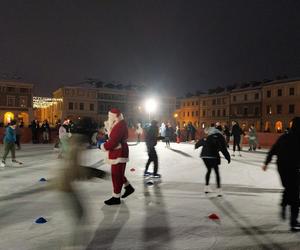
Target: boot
207 189
219 192
128 191
113 201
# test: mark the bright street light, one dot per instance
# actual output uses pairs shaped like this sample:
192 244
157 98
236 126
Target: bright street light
150 106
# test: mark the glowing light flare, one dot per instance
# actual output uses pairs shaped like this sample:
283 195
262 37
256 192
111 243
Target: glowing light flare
150 105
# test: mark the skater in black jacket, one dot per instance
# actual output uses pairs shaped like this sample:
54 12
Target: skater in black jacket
236 133
151 141
214 143
287 149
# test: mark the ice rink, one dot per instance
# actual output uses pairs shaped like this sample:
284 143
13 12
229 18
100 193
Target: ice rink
171 214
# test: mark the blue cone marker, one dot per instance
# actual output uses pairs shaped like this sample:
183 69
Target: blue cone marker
40 220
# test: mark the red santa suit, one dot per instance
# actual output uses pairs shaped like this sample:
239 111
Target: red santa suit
118 151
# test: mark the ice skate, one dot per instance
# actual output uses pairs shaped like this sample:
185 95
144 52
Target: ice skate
156 176
219 192
146 174
17 162
128 191
207 189
2 165
113 201
295 227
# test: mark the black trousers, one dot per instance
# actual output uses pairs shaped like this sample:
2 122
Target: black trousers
290 179
152 158
236 142
212 163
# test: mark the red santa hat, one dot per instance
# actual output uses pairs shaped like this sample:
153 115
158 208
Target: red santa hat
115 114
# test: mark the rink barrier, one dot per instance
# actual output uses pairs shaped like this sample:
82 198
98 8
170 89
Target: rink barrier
266 140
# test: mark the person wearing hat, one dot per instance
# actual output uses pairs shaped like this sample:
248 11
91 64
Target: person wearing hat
9 143
118 153
287 149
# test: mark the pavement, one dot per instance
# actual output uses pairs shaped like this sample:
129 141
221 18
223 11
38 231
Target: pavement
173 213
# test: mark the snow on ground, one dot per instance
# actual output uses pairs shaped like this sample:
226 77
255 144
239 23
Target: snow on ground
171 214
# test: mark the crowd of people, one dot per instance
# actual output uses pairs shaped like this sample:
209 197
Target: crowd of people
112 139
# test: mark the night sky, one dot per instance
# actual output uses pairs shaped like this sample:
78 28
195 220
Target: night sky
175 46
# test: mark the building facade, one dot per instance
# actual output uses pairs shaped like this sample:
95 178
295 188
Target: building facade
87 100
269 106
189 111
15 102
281 103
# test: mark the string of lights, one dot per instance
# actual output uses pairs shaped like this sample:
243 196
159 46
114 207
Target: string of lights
44 102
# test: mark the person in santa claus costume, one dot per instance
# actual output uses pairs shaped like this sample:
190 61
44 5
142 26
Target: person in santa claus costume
118 153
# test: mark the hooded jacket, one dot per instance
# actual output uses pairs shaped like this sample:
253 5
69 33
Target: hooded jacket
214 143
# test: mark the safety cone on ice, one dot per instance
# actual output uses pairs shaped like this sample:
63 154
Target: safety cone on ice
132 169
40 220
43 179
214 217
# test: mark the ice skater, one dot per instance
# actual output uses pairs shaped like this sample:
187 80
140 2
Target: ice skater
139 132
212 144
287 149
236 132
118 153
252 136
9 144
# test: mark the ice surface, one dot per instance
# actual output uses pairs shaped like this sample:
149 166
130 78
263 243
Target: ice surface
170 214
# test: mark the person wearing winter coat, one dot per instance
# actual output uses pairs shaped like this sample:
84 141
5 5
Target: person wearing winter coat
226 133
9 144
252 136
118 155
178 133
45 129
151 141
236 133
168 135
212 144
139 132
287 149
64 135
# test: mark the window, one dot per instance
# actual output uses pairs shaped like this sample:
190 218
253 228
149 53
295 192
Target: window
256 96
23 101
224 112
219 112
24 90
188 104
292 91
213 113
81 106
188 114
218 101
197 113
197 103
203 113
291 109
269 93
224 101
245 111
11 101
192 113
269 110
214 102
279 92
256 110
245 97
70 105
234 98
11 89
192 103
183 114
279 109
91 107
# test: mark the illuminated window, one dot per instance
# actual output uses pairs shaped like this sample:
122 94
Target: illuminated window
23 101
